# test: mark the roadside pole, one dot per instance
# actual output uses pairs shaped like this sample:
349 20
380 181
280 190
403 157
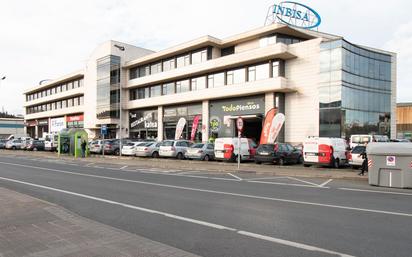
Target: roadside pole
239 126
103 131
239 150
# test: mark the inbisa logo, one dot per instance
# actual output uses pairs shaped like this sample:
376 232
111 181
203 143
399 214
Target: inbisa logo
297 15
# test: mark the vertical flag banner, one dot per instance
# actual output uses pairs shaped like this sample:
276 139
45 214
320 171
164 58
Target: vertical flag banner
276 126
266 126
194 127
179 128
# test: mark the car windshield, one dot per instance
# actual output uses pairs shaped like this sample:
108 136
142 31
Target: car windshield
167 143
358 149
198 146
130 144
356 139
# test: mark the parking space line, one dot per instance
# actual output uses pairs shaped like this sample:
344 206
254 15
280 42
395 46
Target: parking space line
236 177
303 181
374 191
124 167
325 183
187 172
89 164
286 184
264 178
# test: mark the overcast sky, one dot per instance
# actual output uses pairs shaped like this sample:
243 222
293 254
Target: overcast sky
45 39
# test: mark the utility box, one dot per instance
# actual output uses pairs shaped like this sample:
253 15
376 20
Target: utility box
390 164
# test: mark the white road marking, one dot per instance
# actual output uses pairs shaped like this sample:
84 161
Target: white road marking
374 191
286 184
303 181
186 219
236 177
124 167
187 172
325 183
222 192
89 164
264 178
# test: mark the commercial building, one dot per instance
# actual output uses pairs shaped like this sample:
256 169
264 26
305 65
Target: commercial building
323 84
11 126
404 120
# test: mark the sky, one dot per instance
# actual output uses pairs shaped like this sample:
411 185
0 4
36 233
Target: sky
45 39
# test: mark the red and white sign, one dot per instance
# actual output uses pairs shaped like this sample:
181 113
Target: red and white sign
275 127
179 128
390 160
239 124
75 118
194 127
266 126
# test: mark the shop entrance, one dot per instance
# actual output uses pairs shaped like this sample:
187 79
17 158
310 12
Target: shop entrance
252 128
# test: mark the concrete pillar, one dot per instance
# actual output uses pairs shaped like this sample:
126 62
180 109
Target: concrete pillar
205 121
36 131
269 101
160 123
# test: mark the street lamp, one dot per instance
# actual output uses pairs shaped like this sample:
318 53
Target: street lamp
121 48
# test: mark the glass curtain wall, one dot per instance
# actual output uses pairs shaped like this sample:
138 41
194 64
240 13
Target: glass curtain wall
108 87
355 90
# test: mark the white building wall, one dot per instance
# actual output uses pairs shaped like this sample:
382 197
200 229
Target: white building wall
393 96
302 107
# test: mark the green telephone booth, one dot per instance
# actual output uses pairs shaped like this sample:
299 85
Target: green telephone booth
70 142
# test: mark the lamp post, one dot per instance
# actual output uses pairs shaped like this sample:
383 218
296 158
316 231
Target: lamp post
121 48
1 79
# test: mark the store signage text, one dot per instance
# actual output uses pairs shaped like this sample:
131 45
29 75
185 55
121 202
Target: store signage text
144 119
239 107
297 15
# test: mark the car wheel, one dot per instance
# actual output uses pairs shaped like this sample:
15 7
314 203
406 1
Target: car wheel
306 165
155 155
14 148
180 156
35 149
117 152
206 158
258 162
281 161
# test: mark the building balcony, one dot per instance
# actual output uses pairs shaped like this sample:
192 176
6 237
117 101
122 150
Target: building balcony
55 97
55 113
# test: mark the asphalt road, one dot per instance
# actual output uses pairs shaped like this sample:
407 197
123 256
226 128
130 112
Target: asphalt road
215 214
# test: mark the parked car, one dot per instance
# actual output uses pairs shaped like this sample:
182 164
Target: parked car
3 143
149 149
51 141
204 152
329 151
24 142
355 160
14 144
227 149
112 146
130 148
363 139
174 148
96 146
35 145
400 140
278 153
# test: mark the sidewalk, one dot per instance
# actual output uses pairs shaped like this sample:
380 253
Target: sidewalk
34 228
266 169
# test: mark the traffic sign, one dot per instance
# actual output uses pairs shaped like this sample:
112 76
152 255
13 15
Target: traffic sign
103 130
239 124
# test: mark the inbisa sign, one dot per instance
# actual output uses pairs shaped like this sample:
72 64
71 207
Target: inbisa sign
296 15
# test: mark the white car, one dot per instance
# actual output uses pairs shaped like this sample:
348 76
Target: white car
355 159
174 148
130 148
328 151
227 149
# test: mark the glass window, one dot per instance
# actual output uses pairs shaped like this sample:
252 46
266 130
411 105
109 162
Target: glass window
199 56
81 100
142 93
155 68
144 71
183 60
182 86
275 69
70 103
169 64
155 91
258 72
64 103
168 89
198 83
236 76
216 80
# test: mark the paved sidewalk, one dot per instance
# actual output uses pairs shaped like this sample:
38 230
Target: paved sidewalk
34 228
190 165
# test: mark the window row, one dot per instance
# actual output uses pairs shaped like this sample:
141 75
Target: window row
55 90
279 38
266 70
62 104
175 62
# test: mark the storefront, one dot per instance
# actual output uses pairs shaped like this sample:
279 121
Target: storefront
31 128
223 114
143 124
75 121
43 127
171 116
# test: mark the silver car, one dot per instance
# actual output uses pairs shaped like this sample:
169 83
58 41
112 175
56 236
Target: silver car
174 148
204 152
355 159
150 149
14 144
3 143
96 146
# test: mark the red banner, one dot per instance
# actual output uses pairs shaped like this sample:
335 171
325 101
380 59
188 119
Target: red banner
194 127
75 118
264 137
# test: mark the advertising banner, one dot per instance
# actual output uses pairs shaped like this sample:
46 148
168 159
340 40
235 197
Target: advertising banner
194 127
275 127
143 120
264 137
75 118
179 128
57 124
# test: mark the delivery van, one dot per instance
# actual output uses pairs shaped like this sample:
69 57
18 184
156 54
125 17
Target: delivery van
327 151
227 149
356 140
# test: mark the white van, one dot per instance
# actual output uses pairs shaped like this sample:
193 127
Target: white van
327 151
362 139
50 141
227 149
